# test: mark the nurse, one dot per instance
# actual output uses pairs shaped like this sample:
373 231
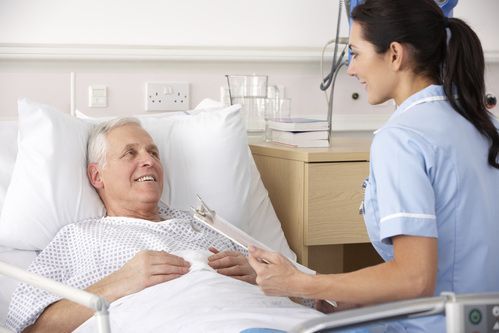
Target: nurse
431 203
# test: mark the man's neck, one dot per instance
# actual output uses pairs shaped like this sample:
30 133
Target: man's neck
148 212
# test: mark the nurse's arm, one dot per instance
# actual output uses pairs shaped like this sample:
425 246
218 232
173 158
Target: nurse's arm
411 273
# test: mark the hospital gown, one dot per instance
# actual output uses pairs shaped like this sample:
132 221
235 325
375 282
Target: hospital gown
83 253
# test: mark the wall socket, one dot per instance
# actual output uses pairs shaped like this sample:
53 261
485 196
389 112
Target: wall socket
167 96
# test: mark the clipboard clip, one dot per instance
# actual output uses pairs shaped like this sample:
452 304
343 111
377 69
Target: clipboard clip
209 216
204 212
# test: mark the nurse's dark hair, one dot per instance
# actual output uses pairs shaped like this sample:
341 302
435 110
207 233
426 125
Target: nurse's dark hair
457 64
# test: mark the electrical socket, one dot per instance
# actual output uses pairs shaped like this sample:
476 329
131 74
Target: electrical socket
167 96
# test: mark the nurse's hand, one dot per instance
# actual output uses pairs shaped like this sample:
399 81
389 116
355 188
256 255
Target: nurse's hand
323 306
276 275
233 264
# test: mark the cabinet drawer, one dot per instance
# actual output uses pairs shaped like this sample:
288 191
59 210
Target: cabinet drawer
333 193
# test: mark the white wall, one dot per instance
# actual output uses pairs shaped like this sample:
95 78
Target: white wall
258 23
158 22
125 44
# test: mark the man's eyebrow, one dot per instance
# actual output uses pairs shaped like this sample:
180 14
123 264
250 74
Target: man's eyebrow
129 146
152 146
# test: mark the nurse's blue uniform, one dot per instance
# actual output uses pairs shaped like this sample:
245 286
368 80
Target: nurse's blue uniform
429 177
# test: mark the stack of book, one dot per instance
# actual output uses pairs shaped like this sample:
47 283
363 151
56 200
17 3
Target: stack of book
300 132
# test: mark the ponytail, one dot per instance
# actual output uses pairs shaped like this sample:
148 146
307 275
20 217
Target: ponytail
463 75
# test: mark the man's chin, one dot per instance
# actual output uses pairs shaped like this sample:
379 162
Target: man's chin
148 198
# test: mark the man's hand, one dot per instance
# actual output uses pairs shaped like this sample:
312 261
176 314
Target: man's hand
147 268
233 264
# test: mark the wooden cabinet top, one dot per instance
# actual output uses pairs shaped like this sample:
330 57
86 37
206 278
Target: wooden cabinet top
346 146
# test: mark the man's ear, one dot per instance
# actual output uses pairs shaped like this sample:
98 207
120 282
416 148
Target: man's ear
398 55
94 176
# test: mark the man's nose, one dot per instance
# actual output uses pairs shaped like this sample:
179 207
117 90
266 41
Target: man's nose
146 159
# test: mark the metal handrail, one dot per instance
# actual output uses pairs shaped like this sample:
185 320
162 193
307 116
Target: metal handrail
89 300
370 314
447 303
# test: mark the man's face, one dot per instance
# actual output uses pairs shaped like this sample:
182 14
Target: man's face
132 176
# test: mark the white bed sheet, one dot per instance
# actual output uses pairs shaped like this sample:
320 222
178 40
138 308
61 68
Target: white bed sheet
19 258
202 301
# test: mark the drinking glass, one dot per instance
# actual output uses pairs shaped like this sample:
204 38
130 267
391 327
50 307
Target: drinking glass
251 92
276 109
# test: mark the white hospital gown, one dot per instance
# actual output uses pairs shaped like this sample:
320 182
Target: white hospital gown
85 252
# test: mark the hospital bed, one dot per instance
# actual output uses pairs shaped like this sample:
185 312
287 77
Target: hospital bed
206 153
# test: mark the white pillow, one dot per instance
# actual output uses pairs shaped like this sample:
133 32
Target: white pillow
8 152
205 154
49 187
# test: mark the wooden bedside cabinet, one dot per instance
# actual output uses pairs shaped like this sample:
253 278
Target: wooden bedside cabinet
316 193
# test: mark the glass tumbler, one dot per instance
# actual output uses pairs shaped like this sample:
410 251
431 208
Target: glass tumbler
276 109
251 92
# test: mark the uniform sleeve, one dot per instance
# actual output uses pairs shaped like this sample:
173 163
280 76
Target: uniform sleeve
54 262
401 164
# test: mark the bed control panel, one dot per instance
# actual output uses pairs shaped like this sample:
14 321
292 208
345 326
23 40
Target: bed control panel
483 318
473 316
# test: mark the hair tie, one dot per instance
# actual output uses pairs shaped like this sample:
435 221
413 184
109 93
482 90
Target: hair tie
446 22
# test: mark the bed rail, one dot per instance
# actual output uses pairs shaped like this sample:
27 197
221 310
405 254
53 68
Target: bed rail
464 313
94 302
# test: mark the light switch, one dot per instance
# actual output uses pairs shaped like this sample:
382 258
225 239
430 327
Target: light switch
168 90
97 96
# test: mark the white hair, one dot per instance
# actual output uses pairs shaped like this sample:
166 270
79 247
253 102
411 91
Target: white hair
97 141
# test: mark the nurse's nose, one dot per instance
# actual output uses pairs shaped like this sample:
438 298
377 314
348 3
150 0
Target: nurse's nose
351 69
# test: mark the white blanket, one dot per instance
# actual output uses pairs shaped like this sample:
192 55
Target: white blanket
202 301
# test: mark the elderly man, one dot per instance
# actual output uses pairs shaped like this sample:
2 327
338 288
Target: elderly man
129 249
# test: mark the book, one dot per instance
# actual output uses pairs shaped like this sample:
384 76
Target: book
301 139
298 124
299 136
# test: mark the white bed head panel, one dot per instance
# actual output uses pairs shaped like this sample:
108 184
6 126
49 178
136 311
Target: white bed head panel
8 152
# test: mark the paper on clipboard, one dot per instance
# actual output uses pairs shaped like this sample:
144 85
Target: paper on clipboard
223 227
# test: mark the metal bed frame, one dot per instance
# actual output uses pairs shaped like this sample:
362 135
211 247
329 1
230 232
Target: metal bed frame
94 302
466 313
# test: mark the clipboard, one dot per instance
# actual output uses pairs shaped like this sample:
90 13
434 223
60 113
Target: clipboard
215 222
